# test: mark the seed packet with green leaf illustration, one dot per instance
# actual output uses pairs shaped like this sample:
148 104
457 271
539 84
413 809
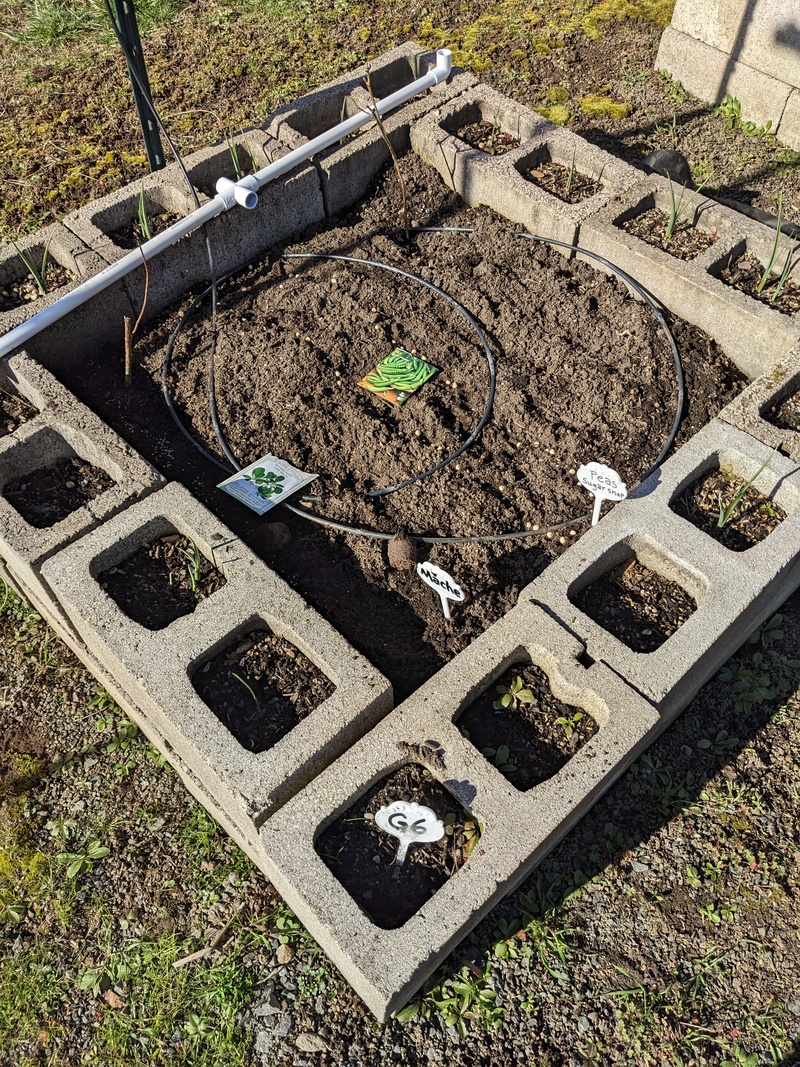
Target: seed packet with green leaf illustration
397 376
265 483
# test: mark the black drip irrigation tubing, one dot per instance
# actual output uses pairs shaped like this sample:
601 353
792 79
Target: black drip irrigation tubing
366 531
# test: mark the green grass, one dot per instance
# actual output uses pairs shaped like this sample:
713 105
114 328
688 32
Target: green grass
44 23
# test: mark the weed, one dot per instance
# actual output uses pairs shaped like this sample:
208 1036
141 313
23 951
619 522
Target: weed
668 130
731 110
12 910
511 696
464 998
741 1058
677 210
769 633
726 511
571 724
82 862
672 88
720 744
38 272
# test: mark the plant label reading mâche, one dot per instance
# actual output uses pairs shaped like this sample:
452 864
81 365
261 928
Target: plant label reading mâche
397 376
441 582
604 483
265 483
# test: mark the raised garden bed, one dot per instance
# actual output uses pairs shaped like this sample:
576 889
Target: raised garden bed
638 606
534 735
49 494
161 581
361 855
583 373
260 688
753 519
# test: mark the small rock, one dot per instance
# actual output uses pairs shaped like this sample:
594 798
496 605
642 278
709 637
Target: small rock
639 867
284 953
308 1042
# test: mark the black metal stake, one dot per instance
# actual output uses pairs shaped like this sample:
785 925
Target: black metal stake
125 14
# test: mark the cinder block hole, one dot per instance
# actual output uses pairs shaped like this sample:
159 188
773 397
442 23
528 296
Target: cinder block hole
161 580
563 179
234 161
392 76
128 224
585 660
640 607
48 494
22 282
260 686
326 111
680 233
14 410
745 269
522 729
785 412
477 125
719 504
361 855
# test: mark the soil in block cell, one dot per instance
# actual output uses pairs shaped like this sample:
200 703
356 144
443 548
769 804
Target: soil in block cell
49 494
640 607
686 241
161 581
362 856
743 271
523 729
479 130
23 288
564 182
260 687
711 500
13 412
786 413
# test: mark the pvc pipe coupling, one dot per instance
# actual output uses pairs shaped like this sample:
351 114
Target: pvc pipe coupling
242 192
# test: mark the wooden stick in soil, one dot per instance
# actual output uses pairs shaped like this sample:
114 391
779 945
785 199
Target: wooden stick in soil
130 330
214 943
392 153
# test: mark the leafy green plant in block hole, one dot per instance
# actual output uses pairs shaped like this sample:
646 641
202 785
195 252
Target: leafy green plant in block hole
267 483
511 696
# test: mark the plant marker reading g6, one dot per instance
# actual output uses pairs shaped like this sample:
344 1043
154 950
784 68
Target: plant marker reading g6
441 582
410 823
604 483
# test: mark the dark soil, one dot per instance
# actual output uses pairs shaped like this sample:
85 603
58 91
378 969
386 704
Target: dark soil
564 182
686 241
526 743
260 688
361 855
639 607
24 290
131 234
13 412
753 519
582 373
48 495
488 137
154 586
745 275
786 414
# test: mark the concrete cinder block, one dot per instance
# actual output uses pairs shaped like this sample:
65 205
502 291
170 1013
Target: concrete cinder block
285 206
64 428
750 410
347 170
754 335
711 74
386 966
68 251
644 528
498 181
789 126
156 668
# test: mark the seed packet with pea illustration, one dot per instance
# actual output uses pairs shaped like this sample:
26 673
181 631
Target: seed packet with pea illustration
265 483
397 376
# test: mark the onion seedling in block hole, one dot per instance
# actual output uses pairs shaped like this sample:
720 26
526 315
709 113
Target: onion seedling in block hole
726 511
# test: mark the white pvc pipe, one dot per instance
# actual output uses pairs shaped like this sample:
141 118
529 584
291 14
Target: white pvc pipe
229 194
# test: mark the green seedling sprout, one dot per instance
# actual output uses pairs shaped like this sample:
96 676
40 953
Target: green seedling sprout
511 696
249 689
194 564
773 259
39 274
726 512
677 210
144 221
570 724
234 154
571 175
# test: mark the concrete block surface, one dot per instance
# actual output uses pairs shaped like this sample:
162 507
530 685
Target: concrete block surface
156 667
752 411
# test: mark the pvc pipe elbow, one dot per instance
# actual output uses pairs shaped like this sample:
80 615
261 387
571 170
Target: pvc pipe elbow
444 64
240 193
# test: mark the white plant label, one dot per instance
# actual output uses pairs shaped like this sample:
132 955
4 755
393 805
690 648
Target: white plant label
441 582
410 823
604 483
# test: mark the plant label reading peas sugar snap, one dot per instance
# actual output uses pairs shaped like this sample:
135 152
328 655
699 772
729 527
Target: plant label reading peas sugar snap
604 483
441 582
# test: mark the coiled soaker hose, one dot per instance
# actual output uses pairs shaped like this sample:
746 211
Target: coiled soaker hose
366 531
